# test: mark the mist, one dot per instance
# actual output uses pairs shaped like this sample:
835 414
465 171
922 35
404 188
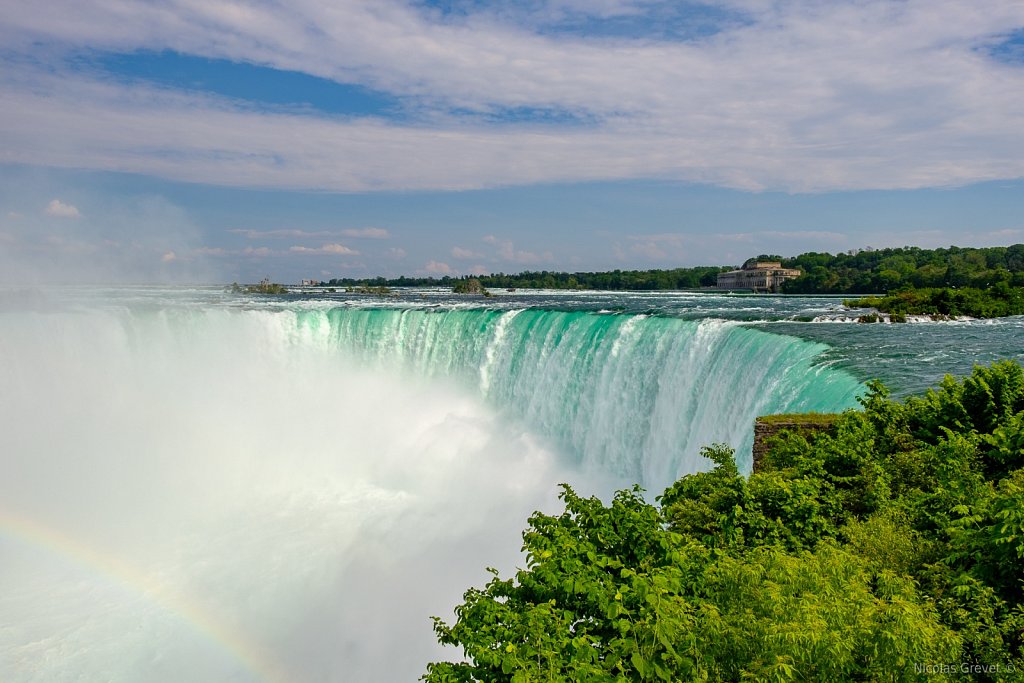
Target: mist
208 494
57 229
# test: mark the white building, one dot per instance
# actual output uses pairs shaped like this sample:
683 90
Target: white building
757 276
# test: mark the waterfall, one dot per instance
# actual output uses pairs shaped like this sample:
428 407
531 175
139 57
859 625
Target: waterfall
246 492
631 395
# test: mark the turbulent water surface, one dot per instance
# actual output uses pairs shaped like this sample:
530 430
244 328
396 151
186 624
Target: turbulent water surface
205 486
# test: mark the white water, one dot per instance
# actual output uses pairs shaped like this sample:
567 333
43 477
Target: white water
203 489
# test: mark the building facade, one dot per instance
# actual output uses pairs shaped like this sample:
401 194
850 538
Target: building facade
757 276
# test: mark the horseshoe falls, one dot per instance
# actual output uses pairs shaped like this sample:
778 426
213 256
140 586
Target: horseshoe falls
631 395
200 486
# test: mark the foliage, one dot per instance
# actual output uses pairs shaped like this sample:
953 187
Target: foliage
888 270
994 302
264 287
676 278
857 272
469 286
867 552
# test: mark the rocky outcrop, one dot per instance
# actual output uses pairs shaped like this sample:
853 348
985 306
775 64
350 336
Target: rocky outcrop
768 426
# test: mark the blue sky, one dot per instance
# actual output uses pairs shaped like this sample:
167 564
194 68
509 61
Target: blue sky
178 140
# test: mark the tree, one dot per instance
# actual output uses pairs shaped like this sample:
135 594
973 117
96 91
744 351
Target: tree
852 554
468 286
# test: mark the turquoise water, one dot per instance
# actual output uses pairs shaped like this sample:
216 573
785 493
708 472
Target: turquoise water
634 395
635 383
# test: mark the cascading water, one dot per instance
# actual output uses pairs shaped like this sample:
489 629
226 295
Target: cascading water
633 396
230 493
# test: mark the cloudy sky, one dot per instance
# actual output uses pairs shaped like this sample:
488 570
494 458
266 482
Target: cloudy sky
210 140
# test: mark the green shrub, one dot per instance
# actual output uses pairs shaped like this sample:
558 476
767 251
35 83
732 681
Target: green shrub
894 539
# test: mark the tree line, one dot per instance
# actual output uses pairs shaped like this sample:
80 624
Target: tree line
615 280
864 271
886 270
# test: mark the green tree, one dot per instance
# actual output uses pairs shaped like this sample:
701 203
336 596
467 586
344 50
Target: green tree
894 539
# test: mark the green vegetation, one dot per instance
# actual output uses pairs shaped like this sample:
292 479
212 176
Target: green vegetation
677 278
264 287
886 270
800 418
890 548
994 302
857 272
982 283
469 286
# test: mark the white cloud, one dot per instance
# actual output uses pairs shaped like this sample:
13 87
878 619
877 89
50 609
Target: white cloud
367 233
257 251
802 96
278 234
1006 233
335 249
168 257
284 233
806 235
460 253
397 253
711 247
120 244
61 209
656 248
438 268
507 252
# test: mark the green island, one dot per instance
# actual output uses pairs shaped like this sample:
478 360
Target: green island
888 546
470 286
265 286
996 301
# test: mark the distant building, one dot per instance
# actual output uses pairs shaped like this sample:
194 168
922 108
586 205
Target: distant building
757 276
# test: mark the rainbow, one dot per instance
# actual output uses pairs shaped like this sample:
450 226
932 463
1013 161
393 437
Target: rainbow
183 607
